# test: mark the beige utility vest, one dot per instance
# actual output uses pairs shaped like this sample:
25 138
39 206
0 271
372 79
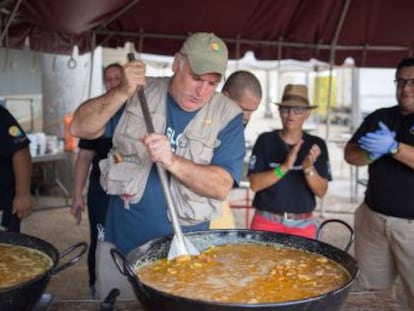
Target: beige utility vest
126 170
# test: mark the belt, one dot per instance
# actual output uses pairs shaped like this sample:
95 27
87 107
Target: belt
284 215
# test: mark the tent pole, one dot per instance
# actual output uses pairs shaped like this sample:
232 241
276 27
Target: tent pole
268 111
9 21
329 103
331 65
141 41
237 51
93 47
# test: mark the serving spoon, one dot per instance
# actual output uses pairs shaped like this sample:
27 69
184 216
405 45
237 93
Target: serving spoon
180 245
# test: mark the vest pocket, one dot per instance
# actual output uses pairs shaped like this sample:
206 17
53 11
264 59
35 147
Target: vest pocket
192 208
129 135
201 151
121 179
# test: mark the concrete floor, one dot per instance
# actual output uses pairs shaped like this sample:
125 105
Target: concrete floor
57 226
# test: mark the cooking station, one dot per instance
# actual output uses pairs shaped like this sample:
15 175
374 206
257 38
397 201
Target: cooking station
356 301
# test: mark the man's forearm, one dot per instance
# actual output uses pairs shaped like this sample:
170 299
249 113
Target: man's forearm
90 118
22 166
405 155
82 164
206 180
354 155
262 180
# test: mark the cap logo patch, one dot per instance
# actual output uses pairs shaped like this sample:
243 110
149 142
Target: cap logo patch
15 131
215 47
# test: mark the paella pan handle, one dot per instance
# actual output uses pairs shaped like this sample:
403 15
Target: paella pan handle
121 263
126 269
82 245
345 224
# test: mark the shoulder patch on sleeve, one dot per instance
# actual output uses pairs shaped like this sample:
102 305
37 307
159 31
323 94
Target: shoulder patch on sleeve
14 131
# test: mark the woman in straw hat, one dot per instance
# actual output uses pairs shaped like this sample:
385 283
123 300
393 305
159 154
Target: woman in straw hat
287 169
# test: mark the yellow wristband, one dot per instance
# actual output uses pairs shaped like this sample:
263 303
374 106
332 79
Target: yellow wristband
278 172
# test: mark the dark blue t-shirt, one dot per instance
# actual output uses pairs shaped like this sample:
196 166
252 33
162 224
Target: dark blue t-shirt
391 183
148 219
12 138
101 145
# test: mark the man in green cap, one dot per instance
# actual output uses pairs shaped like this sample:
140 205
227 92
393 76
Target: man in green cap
198 139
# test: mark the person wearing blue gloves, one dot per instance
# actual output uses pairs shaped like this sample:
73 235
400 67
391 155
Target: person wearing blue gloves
384 222
379 143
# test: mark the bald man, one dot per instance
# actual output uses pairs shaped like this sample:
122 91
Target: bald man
244 89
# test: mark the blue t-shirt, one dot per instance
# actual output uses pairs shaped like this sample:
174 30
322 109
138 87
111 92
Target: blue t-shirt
147 219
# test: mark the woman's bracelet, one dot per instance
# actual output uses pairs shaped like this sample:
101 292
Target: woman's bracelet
278 171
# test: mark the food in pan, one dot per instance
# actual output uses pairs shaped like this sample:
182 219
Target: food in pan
246 274
19 264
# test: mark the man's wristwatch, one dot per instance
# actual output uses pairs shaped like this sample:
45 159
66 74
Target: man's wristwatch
309 171
395 149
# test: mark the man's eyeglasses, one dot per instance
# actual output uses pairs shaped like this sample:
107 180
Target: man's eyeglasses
400 82
294 109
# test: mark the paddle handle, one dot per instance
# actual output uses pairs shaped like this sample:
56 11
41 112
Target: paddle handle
161 171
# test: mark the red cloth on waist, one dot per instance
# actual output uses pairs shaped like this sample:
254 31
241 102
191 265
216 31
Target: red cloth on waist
261 223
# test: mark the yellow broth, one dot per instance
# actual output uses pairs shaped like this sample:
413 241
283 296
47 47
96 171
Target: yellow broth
247 274
19 264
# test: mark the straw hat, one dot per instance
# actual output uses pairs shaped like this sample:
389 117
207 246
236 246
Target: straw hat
296 95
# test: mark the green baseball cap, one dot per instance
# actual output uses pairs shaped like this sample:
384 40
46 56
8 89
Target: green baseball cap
206 53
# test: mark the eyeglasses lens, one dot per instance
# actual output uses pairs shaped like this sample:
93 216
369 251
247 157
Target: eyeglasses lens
294 109
400 82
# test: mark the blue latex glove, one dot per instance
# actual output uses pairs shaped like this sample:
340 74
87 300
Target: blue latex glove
378 143
374 156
